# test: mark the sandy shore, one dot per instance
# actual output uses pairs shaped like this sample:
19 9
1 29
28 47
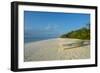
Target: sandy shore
55 49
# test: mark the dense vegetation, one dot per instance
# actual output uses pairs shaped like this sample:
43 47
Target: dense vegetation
82 33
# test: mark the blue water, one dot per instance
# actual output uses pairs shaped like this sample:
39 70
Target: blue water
34 39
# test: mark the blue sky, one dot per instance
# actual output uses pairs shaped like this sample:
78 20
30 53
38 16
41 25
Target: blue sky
52 23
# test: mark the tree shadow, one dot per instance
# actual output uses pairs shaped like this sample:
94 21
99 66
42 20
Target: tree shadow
76 45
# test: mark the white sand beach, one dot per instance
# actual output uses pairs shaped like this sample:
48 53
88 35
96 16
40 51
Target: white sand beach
55 49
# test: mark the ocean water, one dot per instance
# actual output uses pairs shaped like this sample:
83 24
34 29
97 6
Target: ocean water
34 39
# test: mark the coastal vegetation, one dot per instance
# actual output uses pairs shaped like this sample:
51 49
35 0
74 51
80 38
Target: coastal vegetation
82 33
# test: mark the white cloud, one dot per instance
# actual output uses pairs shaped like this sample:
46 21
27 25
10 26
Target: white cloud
51 27
48 27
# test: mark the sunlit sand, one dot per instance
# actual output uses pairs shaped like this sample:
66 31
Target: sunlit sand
55 49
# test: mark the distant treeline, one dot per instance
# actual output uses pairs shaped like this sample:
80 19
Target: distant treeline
82 33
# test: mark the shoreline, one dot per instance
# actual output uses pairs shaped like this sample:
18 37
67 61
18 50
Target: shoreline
53 49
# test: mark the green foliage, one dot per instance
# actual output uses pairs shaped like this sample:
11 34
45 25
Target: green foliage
83 33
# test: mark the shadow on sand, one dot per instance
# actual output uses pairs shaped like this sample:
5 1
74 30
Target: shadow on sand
76 45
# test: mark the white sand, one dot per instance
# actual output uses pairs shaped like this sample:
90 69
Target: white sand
53 49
